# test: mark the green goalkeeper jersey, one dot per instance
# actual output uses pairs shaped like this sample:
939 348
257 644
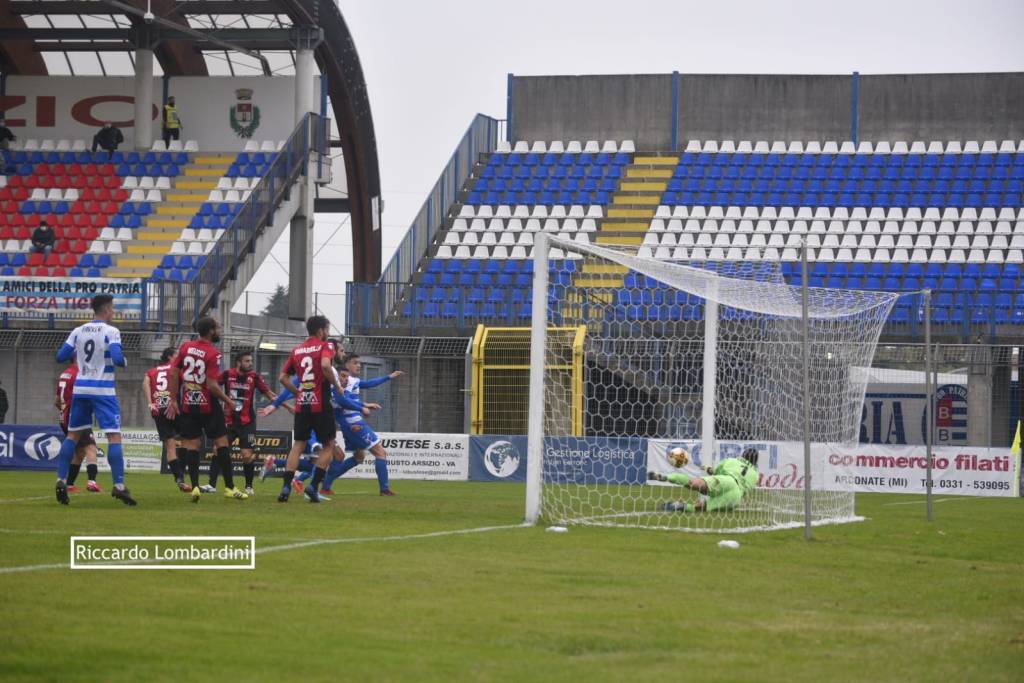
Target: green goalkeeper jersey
743 472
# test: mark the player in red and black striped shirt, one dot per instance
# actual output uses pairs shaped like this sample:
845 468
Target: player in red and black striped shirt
156 387
85 450
310 363
200 398
241 383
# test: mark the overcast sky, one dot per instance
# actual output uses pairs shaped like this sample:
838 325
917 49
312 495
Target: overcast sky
431 65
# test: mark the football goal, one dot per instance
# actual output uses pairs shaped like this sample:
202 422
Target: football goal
721 360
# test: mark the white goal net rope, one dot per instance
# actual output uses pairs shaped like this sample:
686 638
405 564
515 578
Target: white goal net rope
708 357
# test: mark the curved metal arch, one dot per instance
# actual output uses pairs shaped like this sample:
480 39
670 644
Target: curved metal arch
338 60
17 57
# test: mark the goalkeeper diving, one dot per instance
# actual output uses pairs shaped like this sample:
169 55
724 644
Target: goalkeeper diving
723 487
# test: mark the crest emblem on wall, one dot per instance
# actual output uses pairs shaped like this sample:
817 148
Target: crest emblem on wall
244 115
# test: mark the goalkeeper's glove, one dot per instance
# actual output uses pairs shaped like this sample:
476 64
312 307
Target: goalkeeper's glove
657 476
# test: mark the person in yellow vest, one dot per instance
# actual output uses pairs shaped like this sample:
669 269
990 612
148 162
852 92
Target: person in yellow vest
172 122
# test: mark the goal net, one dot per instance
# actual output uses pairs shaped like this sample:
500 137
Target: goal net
714 358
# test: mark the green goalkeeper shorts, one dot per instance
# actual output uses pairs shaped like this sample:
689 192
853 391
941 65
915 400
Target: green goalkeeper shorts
723 492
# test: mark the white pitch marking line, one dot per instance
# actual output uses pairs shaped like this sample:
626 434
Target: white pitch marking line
32 568
310 544
20 500
370 539
937 500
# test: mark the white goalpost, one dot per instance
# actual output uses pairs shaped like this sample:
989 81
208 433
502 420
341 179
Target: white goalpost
714 358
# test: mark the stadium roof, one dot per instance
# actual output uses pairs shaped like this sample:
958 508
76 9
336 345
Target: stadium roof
195 38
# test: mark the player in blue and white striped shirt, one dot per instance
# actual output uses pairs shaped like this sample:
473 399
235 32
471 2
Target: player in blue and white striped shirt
97 348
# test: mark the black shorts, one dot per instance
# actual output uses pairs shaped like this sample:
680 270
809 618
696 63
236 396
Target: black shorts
194 425
87 438
167 429
322 424
243 433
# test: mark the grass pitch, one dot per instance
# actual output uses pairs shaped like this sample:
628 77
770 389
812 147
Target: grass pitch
894 598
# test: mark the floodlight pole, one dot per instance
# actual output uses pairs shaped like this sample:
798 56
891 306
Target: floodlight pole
929 388
805 348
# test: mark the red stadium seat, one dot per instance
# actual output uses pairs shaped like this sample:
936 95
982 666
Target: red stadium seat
90 169
24 271
57 169
15 181
108 169
6 233
109 208
53 259
103 195
112 182
41 271
46 181
69 260
72 233
79 247
32 220
63 181
58 272
18 223
31 182
99 220
67 220
79 182
35 259
93 181
74 169
120 195
90 234
41 169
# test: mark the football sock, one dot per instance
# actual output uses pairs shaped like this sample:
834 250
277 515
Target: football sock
335 470
215 469
288 476
318 478
73 473
175 467
381 465
193 467
115 458
91 471
250 471
680 479
64 458
224 457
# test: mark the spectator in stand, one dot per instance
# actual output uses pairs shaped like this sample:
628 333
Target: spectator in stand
4 405
43 238
6 136
108 138
172 122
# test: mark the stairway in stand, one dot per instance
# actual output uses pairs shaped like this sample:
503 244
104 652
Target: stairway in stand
180 204
627 220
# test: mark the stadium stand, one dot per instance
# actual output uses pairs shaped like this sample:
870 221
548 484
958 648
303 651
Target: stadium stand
945 216
153 214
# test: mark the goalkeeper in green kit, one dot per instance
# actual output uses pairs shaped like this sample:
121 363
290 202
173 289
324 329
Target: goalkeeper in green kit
724 486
